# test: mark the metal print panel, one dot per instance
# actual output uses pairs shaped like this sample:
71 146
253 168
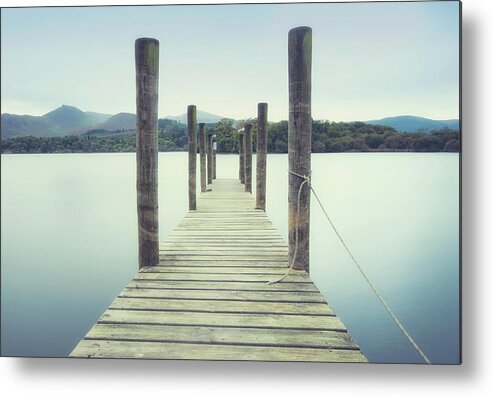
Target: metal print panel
262 182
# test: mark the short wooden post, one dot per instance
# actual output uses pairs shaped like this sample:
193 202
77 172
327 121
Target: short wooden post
209 159
192 157
214 150
299 144
202 148
261 154
248 158
147 81
241 145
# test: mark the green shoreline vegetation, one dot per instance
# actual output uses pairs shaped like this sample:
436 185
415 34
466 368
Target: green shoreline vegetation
327 137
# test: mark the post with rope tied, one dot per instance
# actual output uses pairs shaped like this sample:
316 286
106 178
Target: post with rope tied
299 145
147 81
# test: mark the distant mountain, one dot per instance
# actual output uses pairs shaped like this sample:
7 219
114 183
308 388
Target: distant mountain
118 121
202 116
408 123
98 117
14 125
65 120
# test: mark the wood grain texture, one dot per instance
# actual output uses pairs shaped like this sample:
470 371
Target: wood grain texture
210 166
241 145
192 157
261 176
248 157
203 154
299 144
156 350
209 297
147 82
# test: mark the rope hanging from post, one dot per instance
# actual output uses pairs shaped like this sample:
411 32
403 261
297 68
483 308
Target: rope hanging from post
295 251
307 180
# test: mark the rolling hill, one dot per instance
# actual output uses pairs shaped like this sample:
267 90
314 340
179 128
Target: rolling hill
118 121
65 120
408 123
69 120
202 116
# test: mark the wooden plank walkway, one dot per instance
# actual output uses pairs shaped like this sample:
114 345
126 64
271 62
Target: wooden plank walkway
209 298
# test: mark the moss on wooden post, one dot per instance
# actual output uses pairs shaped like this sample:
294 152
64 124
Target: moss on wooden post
192 157
248 158
147 81
241 145
202 148
299 143
261 155
209 159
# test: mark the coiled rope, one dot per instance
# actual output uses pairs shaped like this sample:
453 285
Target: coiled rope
307 180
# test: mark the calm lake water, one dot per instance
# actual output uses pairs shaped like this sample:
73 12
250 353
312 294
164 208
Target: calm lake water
69 243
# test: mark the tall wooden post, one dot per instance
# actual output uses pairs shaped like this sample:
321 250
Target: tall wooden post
192 157
299 143
248 158
242 157
214 150
261 154
147 81
202 148
209 159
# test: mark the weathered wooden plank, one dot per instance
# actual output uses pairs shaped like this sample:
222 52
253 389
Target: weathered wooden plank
219 243
157 304
235 295
215 258
263 320
218 264
242 229
155 350
221 285
218 270
211 255
231 251
228 237
223 335
220 277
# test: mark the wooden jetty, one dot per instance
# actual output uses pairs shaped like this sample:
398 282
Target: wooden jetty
209 297
207 292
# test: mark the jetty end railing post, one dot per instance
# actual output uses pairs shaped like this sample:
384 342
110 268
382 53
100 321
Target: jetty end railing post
241 145
248 158
209 159
192 157
261 154
299 145
202 149
147 81
214 150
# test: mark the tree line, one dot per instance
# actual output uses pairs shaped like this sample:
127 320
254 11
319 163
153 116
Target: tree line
327 137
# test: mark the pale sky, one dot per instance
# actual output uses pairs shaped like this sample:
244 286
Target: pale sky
369 60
